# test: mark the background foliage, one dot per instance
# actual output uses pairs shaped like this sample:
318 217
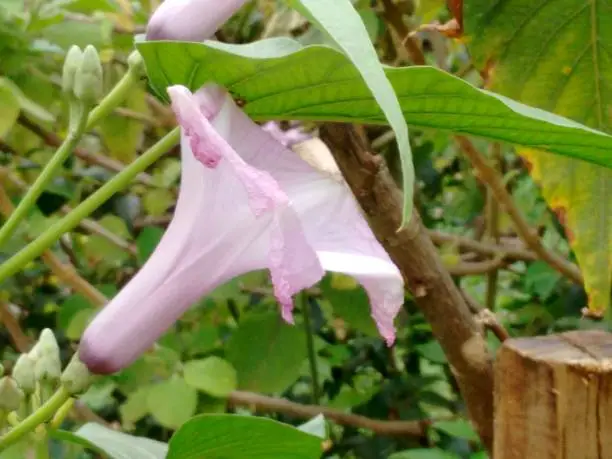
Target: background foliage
233 345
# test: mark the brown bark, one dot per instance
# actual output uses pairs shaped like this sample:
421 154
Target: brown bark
412 250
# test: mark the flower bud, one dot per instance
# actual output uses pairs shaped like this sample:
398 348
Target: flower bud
71 66
47 344
190 20
136 63
88 79
11 395
23 373
76 378
46 357
48 368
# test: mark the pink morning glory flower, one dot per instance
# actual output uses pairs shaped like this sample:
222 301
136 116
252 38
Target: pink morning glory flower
190 20
246 203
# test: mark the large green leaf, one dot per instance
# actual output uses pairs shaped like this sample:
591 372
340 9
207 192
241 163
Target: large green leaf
241 437
280 79
557 55
267 353
115 444
347 30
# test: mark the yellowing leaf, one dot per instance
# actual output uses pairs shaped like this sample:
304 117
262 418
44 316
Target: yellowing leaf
554 55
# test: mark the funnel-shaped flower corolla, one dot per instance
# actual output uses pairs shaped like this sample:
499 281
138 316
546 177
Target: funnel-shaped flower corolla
246 203
190 20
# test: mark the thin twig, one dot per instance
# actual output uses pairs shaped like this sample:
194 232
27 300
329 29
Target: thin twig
20 340
53 140
490 322
476 268
472 245
266 404
496 183
394 16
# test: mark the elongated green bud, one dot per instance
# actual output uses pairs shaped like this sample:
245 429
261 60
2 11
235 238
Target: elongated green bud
11 395
46 355
71 65
136 63
24 375
88 78
47 344
76 378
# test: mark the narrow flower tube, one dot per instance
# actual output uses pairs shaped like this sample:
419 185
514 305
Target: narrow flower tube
190 20
246 203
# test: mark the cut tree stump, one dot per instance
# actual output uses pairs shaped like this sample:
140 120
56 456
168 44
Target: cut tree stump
553 397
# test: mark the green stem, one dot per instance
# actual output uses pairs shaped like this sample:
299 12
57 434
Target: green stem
61 414
44 413
42 447
114 98
83 210
50 170
117 95
312 355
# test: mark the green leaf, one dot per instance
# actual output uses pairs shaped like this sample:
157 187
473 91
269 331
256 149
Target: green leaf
157 201
424 453
146 242
459 428
267 353
27 105
212 375
172 402
556 56
9 109
349 302
432 351
345 27
135 407
16 451
241 437
98 248
118 445
541 279
326 87
123 135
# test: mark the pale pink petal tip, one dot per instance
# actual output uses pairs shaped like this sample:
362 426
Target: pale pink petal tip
287 313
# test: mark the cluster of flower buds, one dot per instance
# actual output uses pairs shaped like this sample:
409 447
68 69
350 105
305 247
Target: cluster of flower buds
36 376
82 76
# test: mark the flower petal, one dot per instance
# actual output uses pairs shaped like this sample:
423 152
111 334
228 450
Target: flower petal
190 20
329 214
246 203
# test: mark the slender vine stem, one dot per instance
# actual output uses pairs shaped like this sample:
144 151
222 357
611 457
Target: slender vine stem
83 210
38 417
117 95
312 355
47 174
81 121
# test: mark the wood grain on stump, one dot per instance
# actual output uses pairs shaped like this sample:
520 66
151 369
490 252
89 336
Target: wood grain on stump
553 397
